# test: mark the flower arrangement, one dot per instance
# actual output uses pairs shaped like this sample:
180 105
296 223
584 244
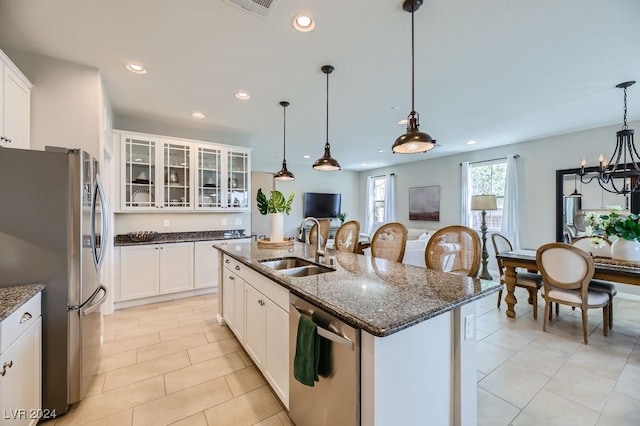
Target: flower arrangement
274 204
612 223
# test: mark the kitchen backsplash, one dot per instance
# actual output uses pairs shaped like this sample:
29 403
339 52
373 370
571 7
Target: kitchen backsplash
181 222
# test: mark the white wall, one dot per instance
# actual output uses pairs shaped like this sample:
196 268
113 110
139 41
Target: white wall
65 102
180 222
539 159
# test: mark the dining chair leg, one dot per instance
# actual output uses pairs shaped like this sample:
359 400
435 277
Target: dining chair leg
530 300
605 319
547 313
585 326
557 310
534 294
499 297
611 312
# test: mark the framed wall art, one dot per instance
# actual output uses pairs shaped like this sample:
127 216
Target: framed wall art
424 203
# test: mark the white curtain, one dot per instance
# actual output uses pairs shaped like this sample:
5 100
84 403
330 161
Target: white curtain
390 199
510 211
368 206
467 190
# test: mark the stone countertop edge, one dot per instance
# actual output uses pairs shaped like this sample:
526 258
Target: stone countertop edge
175 237
11 298
390 326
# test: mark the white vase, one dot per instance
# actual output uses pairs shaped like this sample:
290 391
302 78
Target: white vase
277 227
628 250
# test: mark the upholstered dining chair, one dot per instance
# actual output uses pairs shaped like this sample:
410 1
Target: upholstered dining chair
566 272
604 250
389 241
455 249
346 238
325 224
529 281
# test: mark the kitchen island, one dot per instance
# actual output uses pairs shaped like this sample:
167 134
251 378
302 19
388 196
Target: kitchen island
417 328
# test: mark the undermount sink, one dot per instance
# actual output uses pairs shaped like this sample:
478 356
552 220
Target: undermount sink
295 267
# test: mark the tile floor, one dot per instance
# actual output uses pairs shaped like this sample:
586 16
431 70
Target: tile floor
172 364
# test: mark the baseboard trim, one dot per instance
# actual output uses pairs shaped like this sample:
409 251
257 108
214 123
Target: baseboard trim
164 298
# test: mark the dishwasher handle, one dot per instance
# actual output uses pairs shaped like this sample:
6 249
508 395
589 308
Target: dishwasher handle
329 335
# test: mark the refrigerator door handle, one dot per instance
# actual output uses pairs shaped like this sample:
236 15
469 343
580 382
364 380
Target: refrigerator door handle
90 305
98 194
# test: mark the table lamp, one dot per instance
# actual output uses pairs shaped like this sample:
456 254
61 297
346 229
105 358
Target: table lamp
484 203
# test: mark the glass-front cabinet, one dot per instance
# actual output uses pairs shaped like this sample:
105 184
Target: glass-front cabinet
160 174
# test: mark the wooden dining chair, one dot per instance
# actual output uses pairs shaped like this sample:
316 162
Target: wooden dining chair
346 238
389 242
454 249
529 281
566 272
604 250
325 224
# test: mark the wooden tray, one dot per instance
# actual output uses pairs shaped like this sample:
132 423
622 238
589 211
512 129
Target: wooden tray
265 243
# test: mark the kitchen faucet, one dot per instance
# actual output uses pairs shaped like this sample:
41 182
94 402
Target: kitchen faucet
319 252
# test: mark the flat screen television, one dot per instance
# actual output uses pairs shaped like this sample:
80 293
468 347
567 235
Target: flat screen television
321 205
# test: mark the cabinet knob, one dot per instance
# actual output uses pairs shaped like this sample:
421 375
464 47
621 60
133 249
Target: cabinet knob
8 140
156 248
4 367
231 278
226 261
25 317
237 268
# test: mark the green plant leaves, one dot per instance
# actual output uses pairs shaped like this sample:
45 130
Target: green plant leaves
275 204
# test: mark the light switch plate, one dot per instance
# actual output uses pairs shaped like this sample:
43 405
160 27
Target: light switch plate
166 223
238 221
468 327
223 221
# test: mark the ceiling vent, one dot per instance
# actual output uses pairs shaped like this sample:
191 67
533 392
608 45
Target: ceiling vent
261 7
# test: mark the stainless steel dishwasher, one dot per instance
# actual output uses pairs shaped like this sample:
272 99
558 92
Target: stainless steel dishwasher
334 400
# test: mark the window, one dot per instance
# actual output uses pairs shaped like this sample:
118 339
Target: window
379 189
489 178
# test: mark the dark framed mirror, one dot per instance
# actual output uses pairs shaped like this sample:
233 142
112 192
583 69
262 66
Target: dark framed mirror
571 207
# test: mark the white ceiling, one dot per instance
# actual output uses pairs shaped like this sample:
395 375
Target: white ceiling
495 71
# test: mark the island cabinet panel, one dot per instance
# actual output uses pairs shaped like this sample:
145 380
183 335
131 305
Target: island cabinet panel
277 350
233 302
256 316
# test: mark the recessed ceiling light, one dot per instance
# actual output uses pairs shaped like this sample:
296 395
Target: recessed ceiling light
364 164
381 150
136 68
471 143
303 22
242 95
307 156
198 114
404 121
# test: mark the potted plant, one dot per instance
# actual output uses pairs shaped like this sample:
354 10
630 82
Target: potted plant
626 228
342 217
275 206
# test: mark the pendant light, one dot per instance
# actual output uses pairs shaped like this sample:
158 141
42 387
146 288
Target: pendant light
414 140
575 193
284 174
326 163
621 174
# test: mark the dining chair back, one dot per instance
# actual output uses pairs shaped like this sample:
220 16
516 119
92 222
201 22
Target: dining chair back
455 249
566 273
389 242
325 224
346 238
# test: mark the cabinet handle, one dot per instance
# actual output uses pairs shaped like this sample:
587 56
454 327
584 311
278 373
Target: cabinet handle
156 248
25 317
8 140
231 278
237 268
4 367
226 261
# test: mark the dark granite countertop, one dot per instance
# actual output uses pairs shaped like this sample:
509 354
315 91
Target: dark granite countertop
182 237
375 295
11 298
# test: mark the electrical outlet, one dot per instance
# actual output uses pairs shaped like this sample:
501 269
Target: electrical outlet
166 223
468 327
238 221
223 221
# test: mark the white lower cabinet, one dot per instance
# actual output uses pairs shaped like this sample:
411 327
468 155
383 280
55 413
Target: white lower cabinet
21 365
260 306
151 270
205 264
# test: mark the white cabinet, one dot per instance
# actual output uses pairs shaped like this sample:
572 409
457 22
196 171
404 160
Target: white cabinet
205 264
263 308
160 173
21 365
154 269
15 105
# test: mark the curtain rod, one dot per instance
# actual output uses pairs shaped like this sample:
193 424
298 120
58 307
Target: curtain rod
493 159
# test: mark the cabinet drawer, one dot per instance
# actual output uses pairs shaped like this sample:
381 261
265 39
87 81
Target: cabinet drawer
264 285
15 324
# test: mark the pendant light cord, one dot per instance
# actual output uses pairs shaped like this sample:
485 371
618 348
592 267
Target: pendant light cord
327 129
625 126
413 89
284 134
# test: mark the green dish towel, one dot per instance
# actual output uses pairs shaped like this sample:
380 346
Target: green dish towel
305 362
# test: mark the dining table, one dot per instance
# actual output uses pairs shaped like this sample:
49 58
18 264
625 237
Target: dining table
606 269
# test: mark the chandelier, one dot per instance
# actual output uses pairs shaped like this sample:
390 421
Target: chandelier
621 173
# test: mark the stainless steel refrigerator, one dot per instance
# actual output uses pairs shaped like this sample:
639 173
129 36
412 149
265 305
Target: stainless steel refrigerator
52 227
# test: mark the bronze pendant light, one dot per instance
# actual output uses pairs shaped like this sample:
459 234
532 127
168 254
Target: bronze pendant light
284 174
327 163
413 141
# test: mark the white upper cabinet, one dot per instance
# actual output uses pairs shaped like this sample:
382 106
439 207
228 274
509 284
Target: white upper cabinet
15 106
160 174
